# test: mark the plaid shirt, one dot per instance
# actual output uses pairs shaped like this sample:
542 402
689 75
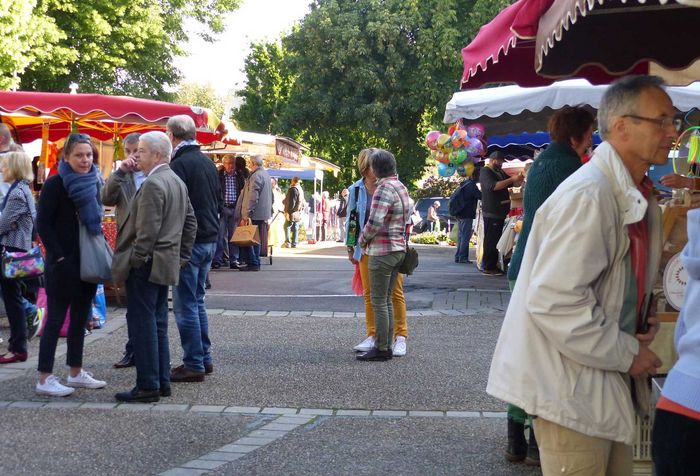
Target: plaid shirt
230 191
385 230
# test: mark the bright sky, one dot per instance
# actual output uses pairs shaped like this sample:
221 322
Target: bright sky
221 63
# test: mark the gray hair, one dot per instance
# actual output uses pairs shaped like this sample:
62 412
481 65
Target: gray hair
5 134
131 138
257 160
158 142
182 127
383 163
622 97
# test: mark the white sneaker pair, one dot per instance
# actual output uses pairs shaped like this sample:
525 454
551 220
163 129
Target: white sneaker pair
53 387
398 349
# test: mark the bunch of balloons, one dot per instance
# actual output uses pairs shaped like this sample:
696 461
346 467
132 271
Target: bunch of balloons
458 150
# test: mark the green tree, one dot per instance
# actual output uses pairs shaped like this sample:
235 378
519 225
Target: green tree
267 90
370 73
26 34
120 46
201 95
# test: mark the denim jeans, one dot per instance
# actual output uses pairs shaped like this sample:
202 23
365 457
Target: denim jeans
188 304
382 277
226 252
291 232
56 308
147 321
465 232
253 252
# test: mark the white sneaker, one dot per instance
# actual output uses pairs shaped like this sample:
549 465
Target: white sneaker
53 387
365 345
84 379
399 347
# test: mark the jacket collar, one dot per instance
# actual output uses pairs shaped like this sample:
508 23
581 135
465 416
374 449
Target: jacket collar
630 201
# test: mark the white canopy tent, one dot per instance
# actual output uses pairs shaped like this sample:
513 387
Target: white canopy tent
512 109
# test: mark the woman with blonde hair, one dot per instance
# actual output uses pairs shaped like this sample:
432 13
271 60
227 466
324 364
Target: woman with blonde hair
17 213
360 200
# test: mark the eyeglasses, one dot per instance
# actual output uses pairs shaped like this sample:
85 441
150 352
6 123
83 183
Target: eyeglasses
662 122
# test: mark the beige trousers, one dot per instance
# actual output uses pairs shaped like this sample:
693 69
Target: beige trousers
567 452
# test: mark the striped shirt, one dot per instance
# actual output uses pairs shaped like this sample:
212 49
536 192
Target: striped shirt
385 230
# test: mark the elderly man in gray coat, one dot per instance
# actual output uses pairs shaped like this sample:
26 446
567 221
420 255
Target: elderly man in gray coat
256 208
154 241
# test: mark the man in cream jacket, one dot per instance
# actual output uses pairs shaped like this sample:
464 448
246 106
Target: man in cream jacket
569 343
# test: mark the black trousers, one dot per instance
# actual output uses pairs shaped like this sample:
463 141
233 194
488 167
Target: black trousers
675 441
493 229
80 311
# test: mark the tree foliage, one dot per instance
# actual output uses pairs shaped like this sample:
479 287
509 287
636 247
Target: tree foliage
109 46
367 73
202 96
26 35
267 89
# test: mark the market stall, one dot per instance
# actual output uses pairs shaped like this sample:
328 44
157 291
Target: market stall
514 46
533 42
51 117
516 109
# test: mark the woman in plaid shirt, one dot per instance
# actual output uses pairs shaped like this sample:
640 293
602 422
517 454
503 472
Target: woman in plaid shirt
384 240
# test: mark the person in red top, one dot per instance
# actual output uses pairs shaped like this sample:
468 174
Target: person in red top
325 213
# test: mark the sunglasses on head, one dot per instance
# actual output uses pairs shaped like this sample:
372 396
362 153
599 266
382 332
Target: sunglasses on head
75 137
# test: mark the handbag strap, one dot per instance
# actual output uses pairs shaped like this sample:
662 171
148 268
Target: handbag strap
7 195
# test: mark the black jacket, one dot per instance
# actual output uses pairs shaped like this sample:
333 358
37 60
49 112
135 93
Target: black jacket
494 203
57 225
202 179
291 200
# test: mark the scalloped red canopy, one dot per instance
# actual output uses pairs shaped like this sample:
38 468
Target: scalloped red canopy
98 115
504 51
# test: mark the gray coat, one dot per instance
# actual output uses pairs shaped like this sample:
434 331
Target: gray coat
118 191
256 200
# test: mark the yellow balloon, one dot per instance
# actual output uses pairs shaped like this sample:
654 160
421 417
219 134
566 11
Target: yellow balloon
444 142
469 168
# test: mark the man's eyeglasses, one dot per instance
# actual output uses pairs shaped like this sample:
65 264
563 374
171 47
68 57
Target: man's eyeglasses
663 122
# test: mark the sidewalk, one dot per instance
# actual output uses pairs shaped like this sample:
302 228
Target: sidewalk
287 397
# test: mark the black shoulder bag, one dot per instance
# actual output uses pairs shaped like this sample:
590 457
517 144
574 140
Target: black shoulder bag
410 260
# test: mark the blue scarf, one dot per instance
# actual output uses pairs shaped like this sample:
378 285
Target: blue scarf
84 190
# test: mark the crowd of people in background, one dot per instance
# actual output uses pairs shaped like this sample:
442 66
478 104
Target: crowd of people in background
580 275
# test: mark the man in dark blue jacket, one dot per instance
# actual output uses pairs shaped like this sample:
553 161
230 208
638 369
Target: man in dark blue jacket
202 179
469 195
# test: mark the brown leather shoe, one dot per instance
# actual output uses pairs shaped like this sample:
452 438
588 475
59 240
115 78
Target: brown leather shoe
208 368
183 374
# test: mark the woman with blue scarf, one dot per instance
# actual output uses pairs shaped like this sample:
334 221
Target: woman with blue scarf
68 200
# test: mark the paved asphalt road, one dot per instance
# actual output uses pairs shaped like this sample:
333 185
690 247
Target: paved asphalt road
287 395
319 277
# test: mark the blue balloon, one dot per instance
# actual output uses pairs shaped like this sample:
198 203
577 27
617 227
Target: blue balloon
446 170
